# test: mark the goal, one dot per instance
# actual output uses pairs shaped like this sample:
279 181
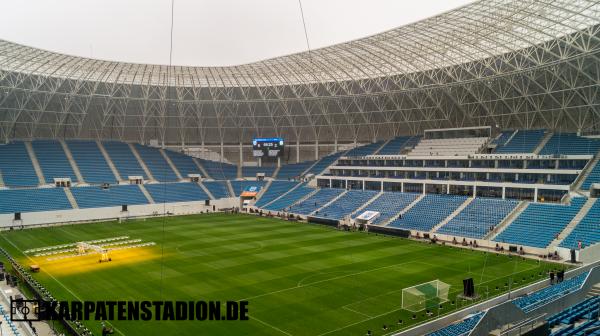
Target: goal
427 295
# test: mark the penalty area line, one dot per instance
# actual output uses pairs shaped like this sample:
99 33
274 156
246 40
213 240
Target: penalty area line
271 326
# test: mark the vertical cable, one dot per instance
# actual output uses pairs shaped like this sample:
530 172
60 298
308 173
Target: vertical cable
304 26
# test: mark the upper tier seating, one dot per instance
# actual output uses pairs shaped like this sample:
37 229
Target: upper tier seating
446 147
28 200
323 163
290 198
525 141
539 224
588 308
314 202
502 138
549 294
346 204
389 204
91 162
276 189
123 159
479 217
217 188
16 167
219 170
293 170
252 171
593 177
239 186
184 163
394 146
176 192
117 195
587 230
53 160
570 144
429 212
461 328
156 163
365 150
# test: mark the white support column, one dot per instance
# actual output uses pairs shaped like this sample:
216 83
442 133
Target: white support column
316 149
503 192
297 150
474 190
279 161
535 195
401 186
222 152
241 154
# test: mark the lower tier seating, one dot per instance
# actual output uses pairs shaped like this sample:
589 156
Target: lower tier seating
389 204
314 202
176 192
117 195
217 188
429 212
587 309
587 230
276 189
461 328
29 200
479 217
549 294
539 224
240 186
593 177
346 204
284 202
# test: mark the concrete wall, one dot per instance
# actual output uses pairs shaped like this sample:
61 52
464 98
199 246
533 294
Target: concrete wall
99 214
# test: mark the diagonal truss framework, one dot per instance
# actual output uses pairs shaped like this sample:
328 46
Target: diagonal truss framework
510 63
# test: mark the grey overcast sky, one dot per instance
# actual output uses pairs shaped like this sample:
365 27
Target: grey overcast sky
206 32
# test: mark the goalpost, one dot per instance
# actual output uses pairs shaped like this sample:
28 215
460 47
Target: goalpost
427 295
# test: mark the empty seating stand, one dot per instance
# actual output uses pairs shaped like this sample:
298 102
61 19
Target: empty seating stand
239 186
314 202
30 200
276 189
448 147
544 296
539 224
346 204
587 309
156 163
284 203
365 150
219 170
97 197
461 328
570 144
394 146
479 217
53 160
593 177
524 141
323 163
184 163
252 171
91 162
123 159
502 138
389 204
176 192
16 167
428 212
293 170
217 188
587 230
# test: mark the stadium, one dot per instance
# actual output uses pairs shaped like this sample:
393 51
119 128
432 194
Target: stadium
438 178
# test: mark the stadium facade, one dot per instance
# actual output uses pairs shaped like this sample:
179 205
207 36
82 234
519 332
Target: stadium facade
500 63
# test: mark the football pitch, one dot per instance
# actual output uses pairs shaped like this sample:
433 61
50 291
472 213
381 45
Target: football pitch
299 279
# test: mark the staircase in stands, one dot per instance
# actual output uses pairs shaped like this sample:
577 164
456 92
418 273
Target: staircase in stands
171 164
109 161
408 207
141 162
506 222
72 161
36 164
452 215
569 228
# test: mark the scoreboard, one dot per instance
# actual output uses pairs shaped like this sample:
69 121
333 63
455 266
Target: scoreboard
267 147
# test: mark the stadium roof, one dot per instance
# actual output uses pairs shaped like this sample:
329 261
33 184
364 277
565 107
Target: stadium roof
512 63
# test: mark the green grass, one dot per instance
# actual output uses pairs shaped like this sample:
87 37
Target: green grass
299 279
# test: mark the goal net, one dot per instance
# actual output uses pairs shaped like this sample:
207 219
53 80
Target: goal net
427 295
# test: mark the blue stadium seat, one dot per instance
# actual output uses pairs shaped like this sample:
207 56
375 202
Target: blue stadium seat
323 163
176 192
184 163
156 163
365 150
217 188
117 195
239 186
91 162
16 167
593 177
219 170
293 170
587 230
479 217
588 308
525 141
503 138
570 144
389 204
29 200
319 199
252 171
283 203
461 328
346 204
276 189
544 296
394 146
123 159
539 224
429 212
53 160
